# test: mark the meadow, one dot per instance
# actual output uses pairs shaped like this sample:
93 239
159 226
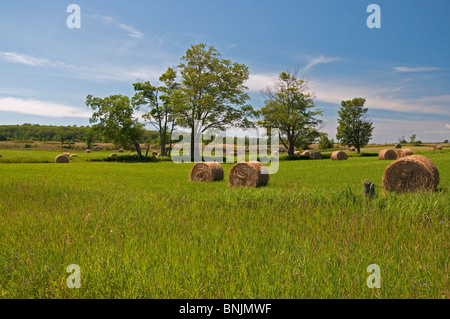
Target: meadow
142 230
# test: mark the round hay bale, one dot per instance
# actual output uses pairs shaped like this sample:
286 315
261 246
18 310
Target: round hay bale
134 155
404 152
159 155
73 155
438 147
387 155
61 159
398 145
296 153
251 174
352 149
275 153
66 154
87 150
113 155
315 156
121 150
411 174
305 153
339 156
154 154
206 172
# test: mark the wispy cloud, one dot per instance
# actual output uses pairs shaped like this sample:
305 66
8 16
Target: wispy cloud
382 98
42 108
447 126
410 70
313 61
15 57
131 31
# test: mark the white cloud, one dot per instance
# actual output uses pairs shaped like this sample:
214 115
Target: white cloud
319 59
132 32
15 57
42 108
380 98
409 70
447 126
260 81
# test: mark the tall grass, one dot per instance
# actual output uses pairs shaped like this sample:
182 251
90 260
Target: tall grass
143 231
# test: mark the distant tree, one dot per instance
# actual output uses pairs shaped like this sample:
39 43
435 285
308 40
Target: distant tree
402 140
446 141
115 120
354 129
290 108
412 138
325 143
212 91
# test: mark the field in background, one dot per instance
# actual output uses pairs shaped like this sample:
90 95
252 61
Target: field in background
143 231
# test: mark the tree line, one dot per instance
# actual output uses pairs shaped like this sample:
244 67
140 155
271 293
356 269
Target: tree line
208 89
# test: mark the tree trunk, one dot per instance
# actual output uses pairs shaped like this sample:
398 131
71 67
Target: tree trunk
138 148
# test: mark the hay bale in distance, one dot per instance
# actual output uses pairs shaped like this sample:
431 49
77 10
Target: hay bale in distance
113 155
305 153
352 149
274 153
87 150
206 172
121 150
404 152
410 174
66 154
315 156
398 145
296 153
73 155
154 154
251 174
339 156
387 155
437 147
61 159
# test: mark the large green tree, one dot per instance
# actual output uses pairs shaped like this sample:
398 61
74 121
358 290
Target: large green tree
114 118
212 93
354 129
160 102
290 108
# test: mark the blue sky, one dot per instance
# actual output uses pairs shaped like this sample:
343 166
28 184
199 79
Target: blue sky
402 68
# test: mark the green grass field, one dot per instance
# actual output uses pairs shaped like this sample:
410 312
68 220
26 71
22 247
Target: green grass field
142 230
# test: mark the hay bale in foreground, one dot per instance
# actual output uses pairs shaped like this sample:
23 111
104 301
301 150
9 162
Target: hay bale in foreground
87 150
296 153
404 152
411 174
398 145
438 147
315 156
387 155
305 153
206 172
113 155
339 156
61 159
251 174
